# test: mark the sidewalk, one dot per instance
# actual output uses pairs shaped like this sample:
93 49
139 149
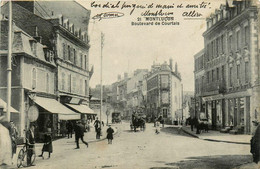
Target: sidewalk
65 143
218 137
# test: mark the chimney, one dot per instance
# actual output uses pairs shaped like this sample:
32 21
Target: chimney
176 67
170 63
36 36
118 77
125 75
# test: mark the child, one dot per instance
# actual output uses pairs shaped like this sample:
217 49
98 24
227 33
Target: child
157 125
110 132
47 146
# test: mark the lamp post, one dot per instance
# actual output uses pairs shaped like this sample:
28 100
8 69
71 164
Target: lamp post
101 86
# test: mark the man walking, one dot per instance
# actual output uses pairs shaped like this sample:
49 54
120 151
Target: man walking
255 143
69 129
30 141
79 134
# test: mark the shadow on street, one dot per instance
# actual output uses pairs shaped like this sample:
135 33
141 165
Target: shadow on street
210 162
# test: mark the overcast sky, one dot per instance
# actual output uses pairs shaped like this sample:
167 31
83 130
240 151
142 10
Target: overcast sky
127 47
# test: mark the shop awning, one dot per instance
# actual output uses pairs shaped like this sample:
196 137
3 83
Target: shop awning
3 105
214 97
84 109
53 106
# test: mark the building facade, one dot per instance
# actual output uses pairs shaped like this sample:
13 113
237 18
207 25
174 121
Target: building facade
66 45
164 93
230 83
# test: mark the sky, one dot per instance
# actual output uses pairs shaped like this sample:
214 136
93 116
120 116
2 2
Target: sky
127 48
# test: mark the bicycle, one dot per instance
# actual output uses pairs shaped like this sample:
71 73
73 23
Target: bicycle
22 156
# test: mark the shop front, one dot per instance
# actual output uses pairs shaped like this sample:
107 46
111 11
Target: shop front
51 113
238 117
214 111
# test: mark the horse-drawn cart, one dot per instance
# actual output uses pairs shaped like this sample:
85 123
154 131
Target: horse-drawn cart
137 121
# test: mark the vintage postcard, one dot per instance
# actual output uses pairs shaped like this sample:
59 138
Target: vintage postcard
130 84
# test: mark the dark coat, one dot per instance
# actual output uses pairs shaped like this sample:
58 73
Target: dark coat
255 145
47 143
30 138
79 130
110 132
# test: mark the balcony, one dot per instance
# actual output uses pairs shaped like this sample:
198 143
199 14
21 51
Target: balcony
216 87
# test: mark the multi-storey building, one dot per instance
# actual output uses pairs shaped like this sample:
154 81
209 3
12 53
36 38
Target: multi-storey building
135 97
230 89
164 95
64 32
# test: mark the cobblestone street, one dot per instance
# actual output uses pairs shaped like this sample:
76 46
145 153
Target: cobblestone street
146 150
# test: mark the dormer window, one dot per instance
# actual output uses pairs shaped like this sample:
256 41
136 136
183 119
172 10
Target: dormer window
68 25
72 28
33 46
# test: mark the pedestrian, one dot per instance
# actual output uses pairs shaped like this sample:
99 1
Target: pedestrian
97 128
103 124
69 126
157 130
79 134
30 142
255 143
5 144
14 135
110 132
47 146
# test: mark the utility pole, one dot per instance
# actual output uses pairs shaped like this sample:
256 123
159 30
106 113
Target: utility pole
101 86
182 102
9 64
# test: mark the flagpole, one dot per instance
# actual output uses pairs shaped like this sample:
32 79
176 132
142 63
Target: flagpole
9 65
101 86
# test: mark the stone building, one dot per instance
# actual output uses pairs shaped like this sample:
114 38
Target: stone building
164 95
230 71
135 99
65 35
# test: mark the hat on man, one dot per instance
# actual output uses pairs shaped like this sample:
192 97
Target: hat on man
255 121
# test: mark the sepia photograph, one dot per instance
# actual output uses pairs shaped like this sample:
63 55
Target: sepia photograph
133 84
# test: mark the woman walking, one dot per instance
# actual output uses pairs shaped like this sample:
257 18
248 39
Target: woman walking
47 146
110 132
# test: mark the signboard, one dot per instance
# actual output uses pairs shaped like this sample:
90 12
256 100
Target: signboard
33 113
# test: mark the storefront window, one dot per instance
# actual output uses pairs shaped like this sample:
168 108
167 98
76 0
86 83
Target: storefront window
230 112
241 112
219 113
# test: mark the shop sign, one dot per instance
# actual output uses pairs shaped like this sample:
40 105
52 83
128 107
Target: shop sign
210 98
33 113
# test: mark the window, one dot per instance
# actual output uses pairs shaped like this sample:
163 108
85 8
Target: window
246 34
212 50
85 63
230 43
230 76
47 83
64 51
164 81
222 43
238 40
33 46
207 77
63 81
69 83
212 75
238 71
165 97
81 60
217 74
75 56
74 85
223 73
72 55
33 78
247 72
217 48
165 113
69 53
